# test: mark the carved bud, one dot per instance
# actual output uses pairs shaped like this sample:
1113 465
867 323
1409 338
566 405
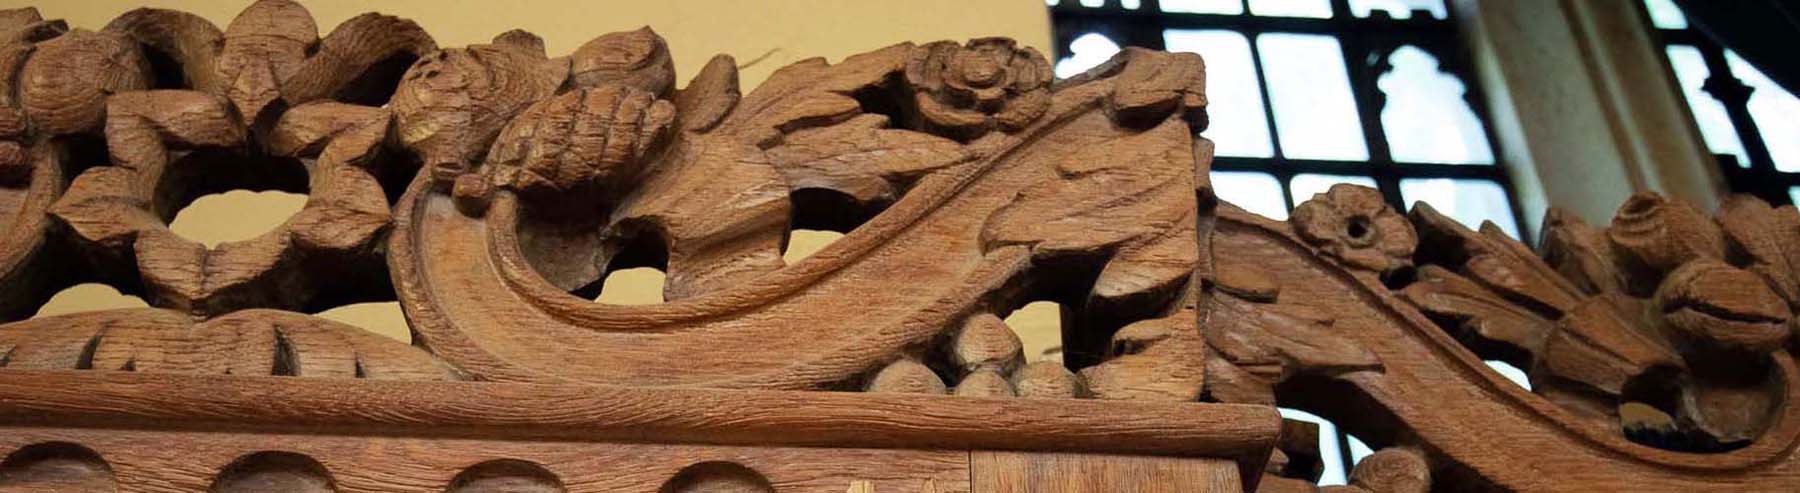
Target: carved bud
585 137
984 382
1354 224
906 375
63 87
970 89
1653 236
1723 306
1047 380
985 341
1393 470
635 58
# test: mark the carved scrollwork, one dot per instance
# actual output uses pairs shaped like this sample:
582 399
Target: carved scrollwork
967 184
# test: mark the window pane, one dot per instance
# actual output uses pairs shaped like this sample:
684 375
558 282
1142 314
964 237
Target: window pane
1398 9
1709 114
1310 89
1202 6
1320 9
1085 52
1305 186
1328 446
1259 193
1665 15
1130 4
1794 195
1467 201
1234 104
1776 112
1426 118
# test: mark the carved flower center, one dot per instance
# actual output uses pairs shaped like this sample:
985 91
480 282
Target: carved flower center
1358 232
980 70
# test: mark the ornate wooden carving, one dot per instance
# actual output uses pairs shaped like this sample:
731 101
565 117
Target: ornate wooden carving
495 181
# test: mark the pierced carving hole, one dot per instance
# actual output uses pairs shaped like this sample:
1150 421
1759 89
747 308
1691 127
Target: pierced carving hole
236 215
634 286
274 471
214 196
1330 452
803 243
87 297
1512 373
830 210
56 466
506 476
380 317
376 85
1358 230
1039 325
717 477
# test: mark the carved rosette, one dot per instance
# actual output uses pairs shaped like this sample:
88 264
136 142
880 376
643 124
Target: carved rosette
966 90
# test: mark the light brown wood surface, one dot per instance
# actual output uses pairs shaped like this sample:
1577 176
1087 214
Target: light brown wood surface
492 189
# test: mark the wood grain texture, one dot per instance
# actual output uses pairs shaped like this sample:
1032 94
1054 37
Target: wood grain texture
491 189
1020 472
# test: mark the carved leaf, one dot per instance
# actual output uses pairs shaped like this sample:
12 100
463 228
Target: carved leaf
1770 237
1160 358
1280 341
861 157
721 208
1130 195
1478 311
249 342
1497 261
811 93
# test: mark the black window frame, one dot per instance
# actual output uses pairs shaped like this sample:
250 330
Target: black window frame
1368 39
1759 177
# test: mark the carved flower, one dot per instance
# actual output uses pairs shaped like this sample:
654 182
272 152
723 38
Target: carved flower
1355 225
970 89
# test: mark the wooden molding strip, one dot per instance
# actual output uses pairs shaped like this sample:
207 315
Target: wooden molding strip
607 413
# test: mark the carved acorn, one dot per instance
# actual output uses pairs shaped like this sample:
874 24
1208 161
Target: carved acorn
634 58
1356 225
1722 306
969 89
585 137
1652 236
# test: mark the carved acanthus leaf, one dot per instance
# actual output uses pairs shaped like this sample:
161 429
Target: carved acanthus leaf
861 157
1128 196
249 342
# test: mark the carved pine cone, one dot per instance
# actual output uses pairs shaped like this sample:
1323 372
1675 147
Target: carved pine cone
584 137
1355 225
970 89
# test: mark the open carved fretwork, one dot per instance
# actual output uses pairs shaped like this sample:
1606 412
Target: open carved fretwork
492 186
1381 321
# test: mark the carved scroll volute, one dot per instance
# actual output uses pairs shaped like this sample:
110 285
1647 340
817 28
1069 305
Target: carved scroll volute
576 179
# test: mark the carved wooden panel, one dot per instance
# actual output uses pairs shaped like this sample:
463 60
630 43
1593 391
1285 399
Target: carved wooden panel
492 187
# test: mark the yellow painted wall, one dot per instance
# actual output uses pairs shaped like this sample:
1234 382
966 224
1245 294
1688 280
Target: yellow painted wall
762 34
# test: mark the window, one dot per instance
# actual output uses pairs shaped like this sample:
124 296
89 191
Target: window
1746 119
1305 94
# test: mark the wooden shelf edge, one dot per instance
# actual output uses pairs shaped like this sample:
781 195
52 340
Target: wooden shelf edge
558 412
